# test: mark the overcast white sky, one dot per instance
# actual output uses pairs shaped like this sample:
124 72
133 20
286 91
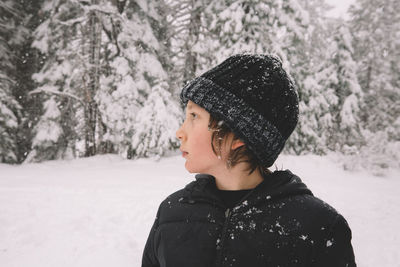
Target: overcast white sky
340 7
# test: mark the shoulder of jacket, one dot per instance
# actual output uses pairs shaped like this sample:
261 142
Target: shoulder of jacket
319 205
312 214
177 196
321 210
173 208
334 246
318 216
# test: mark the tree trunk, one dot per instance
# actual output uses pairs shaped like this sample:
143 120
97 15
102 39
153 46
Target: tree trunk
93 83
194 32
369 73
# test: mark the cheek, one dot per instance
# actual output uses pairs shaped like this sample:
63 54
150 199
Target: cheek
203 142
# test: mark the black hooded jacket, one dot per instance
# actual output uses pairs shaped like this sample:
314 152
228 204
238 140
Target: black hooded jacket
279 223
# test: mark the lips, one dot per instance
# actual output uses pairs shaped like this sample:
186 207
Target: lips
184 153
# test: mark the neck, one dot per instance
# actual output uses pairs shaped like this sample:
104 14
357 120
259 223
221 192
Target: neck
237 178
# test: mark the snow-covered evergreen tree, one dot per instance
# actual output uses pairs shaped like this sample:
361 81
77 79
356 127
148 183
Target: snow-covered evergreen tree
346 130
12 34
330 100
376 29
100 67
27 62
9 112
48 134
315 118
136 64
63 77
259 27
186 34
310 73
156 125
317 38
119 101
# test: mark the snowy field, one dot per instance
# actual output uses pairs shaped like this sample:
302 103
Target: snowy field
98 211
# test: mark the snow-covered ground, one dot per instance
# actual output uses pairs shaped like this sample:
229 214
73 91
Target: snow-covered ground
98 211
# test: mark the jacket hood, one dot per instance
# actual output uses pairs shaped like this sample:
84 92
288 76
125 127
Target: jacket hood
279 184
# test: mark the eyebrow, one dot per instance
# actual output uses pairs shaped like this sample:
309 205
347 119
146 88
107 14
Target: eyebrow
189 106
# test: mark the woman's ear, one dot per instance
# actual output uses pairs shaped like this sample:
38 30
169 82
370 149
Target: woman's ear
236 144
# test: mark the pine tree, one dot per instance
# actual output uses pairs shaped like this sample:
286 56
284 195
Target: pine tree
311 73
12 32
48 133
100 67
345 131
66 76
186 35
315 118
156 124
375 26
258 27
27 62
317 37
376 29
137 62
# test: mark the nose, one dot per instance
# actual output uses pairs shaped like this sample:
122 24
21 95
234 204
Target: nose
179 133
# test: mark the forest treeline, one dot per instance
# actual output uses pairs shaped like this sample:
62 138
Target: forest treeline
86 77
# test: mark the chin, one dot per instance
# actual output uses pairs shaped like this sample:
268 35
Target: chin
192 169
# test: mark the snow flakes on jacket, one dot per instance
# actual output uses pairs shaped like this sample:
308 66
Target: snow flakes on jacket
279 223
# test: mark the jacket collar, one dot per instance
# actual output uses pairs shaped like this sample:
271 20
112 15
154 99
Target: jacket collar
276 185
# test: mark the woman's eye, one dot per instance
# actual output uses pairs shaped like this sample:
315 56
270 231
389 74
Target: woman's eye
193 115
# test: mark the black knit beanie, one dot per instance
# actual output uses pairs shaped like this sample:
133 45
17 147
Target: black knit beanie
254 96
